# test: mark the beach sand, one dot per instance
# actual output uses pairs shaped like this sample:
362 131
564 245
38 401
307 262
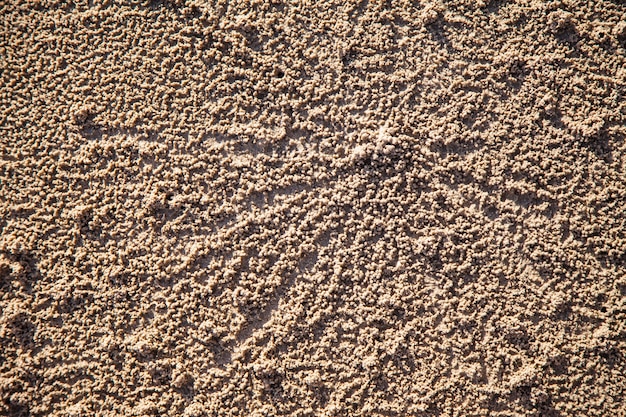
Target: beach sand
266 208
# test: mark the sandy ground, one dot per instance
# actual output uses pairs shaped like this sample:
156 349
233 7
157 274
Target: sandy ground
316 208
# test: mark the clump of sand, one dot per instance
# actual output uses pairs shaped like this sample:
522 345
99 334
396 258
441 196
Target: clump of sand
312 208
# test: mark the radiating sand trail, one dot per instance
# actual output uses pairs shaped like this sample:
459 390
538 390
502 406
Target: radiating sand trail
399 208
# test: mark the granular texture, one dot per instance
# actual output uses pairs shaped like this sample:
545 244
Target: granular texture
320 208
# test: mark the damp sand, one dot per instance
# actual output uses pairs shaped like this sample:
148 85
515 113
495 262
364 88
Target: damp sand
383 208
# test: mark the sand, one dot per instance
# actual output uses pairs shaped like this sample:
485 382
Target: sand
383 208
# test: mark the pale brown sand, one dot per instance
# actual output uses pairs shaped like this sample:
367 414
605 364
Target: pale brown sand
313 209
